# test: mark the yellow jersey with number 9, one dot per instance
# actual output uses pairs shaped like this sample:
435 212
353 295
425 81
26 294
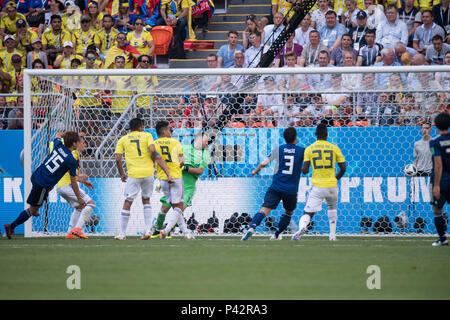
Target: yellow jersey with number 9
169 149
137 154
323 156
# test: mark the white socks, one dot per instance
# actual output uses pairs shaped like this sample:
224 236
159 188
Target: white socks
147 217
85 213
304 220
332 218
74 219
172 218
124 217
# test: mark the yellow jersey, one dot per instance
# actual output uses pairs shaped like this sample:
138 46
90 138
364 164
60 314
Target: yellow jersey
105 41
82 39
169 149
144 84
323 156
9 25
137 153
6 56
141 43
116 83
50 39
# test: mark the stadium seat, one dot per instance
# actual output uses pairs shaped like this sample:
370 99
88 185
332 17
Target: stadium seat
237 124
161 38
358 124
257 125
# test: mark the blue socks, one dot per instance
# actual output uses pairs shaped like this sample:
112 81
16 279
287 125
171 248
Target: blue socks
23 216
441 227
256 220
283 224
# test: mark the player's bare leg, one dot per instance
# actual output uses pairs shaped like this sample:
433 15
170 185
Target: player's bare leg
303 225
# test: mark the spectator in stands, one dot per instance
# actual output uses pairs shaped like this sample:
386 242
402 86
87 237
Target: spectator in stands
119 84
412 17
359 31
175 14
417 60
96 16
124 20
289 82
239 61
286 114
435 53
194 85
10 50
8 21
336 99
264 21
63 60
272 31
366 98
302 32
321 81
141 39
226 52
15 117
283 7
290 46
194 115
254 52
318 16
369 54
392 30
24 37
106 37
316 112
337 55
122 48
310 53
426 32
54 38
332 31
383 113
429 96
395 83
410 114
4 110
84 37
225 85
36 17
350 17
252 25
375 14
72 16
400 49
351 81
387 60
441 14
56 7
209 81
443 78
266 101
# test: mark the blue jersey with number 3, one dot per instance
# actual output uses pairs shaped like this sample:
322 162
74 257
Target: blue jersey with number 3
55 166
289 158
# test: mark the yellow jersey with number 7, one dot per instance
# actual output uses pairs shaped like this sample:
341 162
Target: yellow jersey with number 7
136 145
169 149
323 157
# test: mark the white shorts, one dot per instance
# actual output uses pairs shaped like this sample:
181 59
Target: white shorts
317 195
69 195
134 185
173 191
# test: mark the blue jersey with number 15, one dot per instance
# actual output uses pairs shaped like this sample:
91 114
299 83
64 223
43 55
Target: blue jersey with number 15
289 159
55 166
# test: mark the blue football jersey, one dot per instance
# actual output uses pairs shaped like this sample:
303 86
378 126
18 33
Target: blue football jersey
440 146
55 166
289 159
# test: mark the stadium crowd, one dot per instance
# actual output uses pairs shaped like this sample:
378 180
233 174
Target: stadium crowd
117 34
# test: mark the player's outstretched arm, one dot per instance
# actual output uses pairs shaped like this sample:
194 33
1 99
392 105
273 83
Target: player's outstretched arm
196 171
76 190
437 176
261 166
342 169
122 174
305 168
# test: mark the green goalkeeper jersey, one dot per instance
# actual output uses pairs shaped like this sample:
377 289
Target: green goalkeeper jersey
195 158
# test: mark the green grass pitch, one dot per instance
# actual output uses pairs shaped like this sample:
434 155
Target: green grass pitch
224 268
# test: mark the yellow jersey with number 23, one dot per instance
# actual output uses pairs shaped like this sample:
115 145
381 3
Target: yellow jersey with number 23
323 157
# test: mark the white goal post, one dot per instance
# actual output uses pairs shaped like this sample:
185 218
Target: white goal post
246 110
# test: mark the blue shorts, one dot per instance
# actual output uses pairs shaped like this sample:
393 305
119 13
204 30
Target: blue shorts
37 195
273 198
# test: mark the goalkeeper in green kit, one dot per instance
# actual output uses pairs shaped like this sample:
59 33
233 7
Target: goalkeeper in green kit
196 160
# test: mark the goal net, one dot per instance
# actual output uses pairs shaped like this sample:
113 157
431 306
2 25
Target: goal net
374 116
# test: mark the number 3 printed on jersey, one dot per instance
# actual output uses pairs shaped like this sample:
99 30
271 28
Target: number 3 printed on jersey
289 163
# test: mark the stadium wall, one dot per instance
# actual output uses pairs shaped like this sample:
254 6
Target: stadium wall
373 186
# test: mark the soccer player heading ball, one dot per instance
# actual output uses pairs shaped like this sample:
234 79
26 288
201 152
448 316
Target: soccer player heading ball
47 175
285 183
